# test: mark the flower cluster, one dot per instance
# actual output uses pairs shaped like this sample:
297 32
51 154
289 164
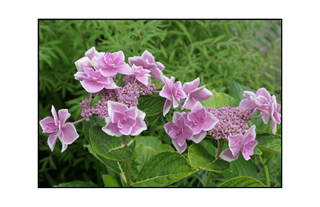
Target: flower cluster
232 121
118 106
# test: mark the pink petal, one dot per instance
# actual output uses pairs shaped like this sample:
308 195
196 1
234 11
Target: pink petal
196 128
116 116
180 149
263 92
54 114
64 147
138 61
119 55
115 106
166 91
139 126
63 116
246 104
247 94
189 103
141 114
111 85
124 69
228 156
273 126
132 112
126 129
82 62
168 127
52 139
189 86
144 79
157 74
200 94
209 122
181 140
166 108
92 52
146 55
80 76
111 128
68 133
160 65
197 106
199 137
108 71
130 121
47 122
250 135
265 118
247 150
92 86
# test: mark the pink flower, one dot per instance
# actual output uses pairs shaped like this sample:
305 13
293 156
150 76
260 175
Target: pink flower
141 75
147 62
265 103
65 131
244 143
90 60
113 63
124 121
93 82
173 92
259 100
179 131
194 94
201 121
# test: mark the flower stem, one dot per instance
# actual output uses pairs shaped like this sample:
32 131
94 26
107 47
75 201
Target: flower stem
266 171
76 122
255 116
90 99
220 146
127 169
208 179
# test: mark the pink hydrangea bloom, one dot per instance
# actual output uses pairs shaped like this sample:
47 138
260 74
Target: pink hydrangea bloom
123 120
93 82
200 122
141 74
265 103
173 93
113 63
147 61
194 94
90 61
244 143
58 128
179 131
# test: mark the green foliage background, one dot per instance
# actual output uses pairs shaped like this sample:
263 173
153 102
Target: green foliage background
217 51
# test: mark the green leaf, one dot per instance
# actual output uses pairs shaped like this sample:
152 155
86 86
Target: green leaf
237 90
164 169
107 146
241 167
200 158
74 184
242 181
219 100
94 121
151 104
269 145
110 181
141 155
154 142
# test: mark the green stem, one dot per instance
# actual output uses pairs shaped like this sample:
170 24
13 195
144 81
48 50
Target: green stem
127 162
208 179
266 171
220 146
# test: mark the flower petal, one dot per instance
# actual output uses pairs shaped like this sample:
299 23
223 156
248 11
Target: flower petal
189 86
54 114
52 139
265 118
209 122
138 61
131 112
111 129
247 150
246 104
166 91
116 116
180 149
92 86
200 94
63 116
250 135
199 137
124 69
115 106
166 108
68 133
189 103
228 156
48 123
139 126
146 55
157 74
92 52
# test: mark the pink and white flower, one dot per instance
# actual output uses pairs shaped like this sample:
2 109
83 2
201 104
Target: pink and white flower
244 143
123 120
200 122
141 75
179 131
90 61
147 61
58 128
194 94
173 93
93 82
113 63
